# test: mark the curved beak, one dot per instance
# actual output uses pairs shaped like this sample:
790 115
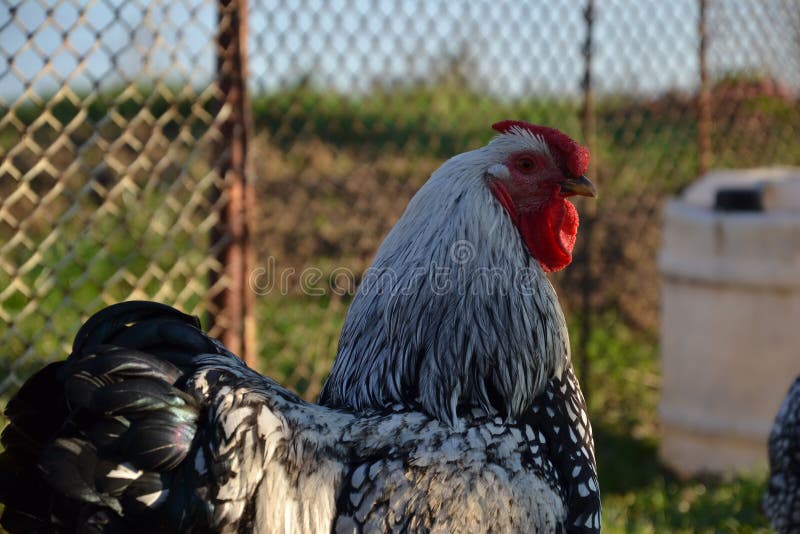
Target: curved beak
578 186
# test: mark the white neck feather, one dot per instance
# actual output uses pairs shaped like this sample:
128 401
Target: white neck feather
454 311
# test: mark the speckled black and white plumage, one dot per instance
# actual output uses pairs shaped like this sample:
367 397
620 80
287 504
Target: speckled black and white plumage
452 405
782 498
150 424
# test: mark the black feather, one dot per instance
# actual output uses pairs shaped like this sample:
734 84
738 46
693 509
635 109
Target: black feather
110 321
98 438
113 477
145 493
69 466
38 411
157 335
136 397
126 362
158 442
97 520
30 503
106 430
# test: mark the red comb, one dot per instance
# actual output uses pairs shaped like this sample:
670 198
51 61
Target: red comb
573 155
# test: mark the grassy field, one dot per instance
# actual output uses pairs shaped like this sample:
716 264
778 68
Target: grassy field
640 495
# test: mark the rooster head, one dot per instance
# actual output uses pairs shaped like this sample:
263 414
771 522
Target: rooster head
456 310
542 168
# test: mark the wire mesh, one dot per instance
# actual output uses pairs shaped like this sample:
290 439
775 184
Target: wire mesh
111 128
107 168
355 103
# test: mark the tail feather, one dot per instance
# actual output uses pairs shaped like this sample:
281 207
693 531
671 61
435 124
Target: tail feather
111 321
126 362
115 478
159 442
93 383
69 465
102 437
164 333
37 411
98 520
30 503
106 431
137 397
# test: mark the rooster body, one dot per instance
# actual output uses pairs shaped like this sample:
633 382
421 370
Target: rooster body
452 404
782 497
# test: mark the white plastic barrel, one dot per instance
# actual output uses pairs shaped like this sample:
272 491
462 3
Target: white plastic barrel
730 320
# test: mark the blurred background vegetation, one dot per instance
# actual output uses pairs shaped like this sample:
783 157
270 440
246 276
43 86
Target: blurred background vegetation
111 186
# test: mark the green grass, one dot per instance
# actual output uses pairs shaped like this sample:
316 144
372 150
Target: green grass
639 494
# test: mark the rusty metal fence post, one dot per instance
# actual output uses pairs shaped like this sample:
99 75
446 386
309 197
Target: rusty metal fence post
234 300
589 210
704 94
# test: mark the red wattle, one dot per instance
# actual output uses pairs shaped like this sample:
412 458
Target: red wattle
549 233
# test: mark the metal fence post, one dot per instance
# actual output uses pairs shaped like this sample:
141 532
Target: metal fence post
234 301
589 212
704 94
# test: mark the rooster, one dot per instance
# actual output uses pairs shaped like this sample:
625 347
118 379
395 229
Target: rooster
782 498
452 404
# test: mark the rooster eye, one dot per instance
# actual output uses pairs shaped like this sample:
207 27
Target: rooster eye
525 164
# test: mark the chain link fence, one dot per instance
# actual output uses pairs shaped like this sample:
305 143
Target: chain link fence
113 181
119 158
354 104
